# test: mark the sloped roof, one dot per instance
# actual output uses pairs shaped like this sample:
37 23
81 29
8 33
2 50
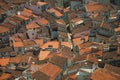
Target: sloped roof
58 60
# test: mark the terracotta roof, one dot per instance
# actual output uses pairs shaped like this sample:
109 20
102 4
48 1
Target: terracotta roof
117 29
54 44
112 69
18 44
43 21
3 29
56 12
43 54
32 25
19 58
39 3
22 17
81 29
92 58
80 58
40 76
59 61
66 44
66 52
6 49
103 75
51 70
75 20
26 14
39 42
5 76
29 43
60 21
4 61
85 45
94 7
16 38
27 10
77 41
86 50
73 76
100 53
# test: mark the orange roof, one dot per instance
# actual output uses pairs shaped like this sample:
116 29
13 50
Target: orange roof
39 3
32 25
60 21
4 76
3 29
77 41
18 44
85 50
85 45
27 10
15 59
35 16
4 61
73 76
43 21
64 9
75 20
54 44
39 42
26 14
92 57
16 38
65 44
57 13
51 70
93 7
117 29
22 17
103 75
100 52
43 54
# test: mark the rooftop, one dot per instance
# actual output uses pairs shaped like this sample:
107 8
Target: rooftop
53 44
43 21
51 70
59 61
18 44
39 3
40 76
55 12
43 55
3 29
97 7
4 61
32 25
29 43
